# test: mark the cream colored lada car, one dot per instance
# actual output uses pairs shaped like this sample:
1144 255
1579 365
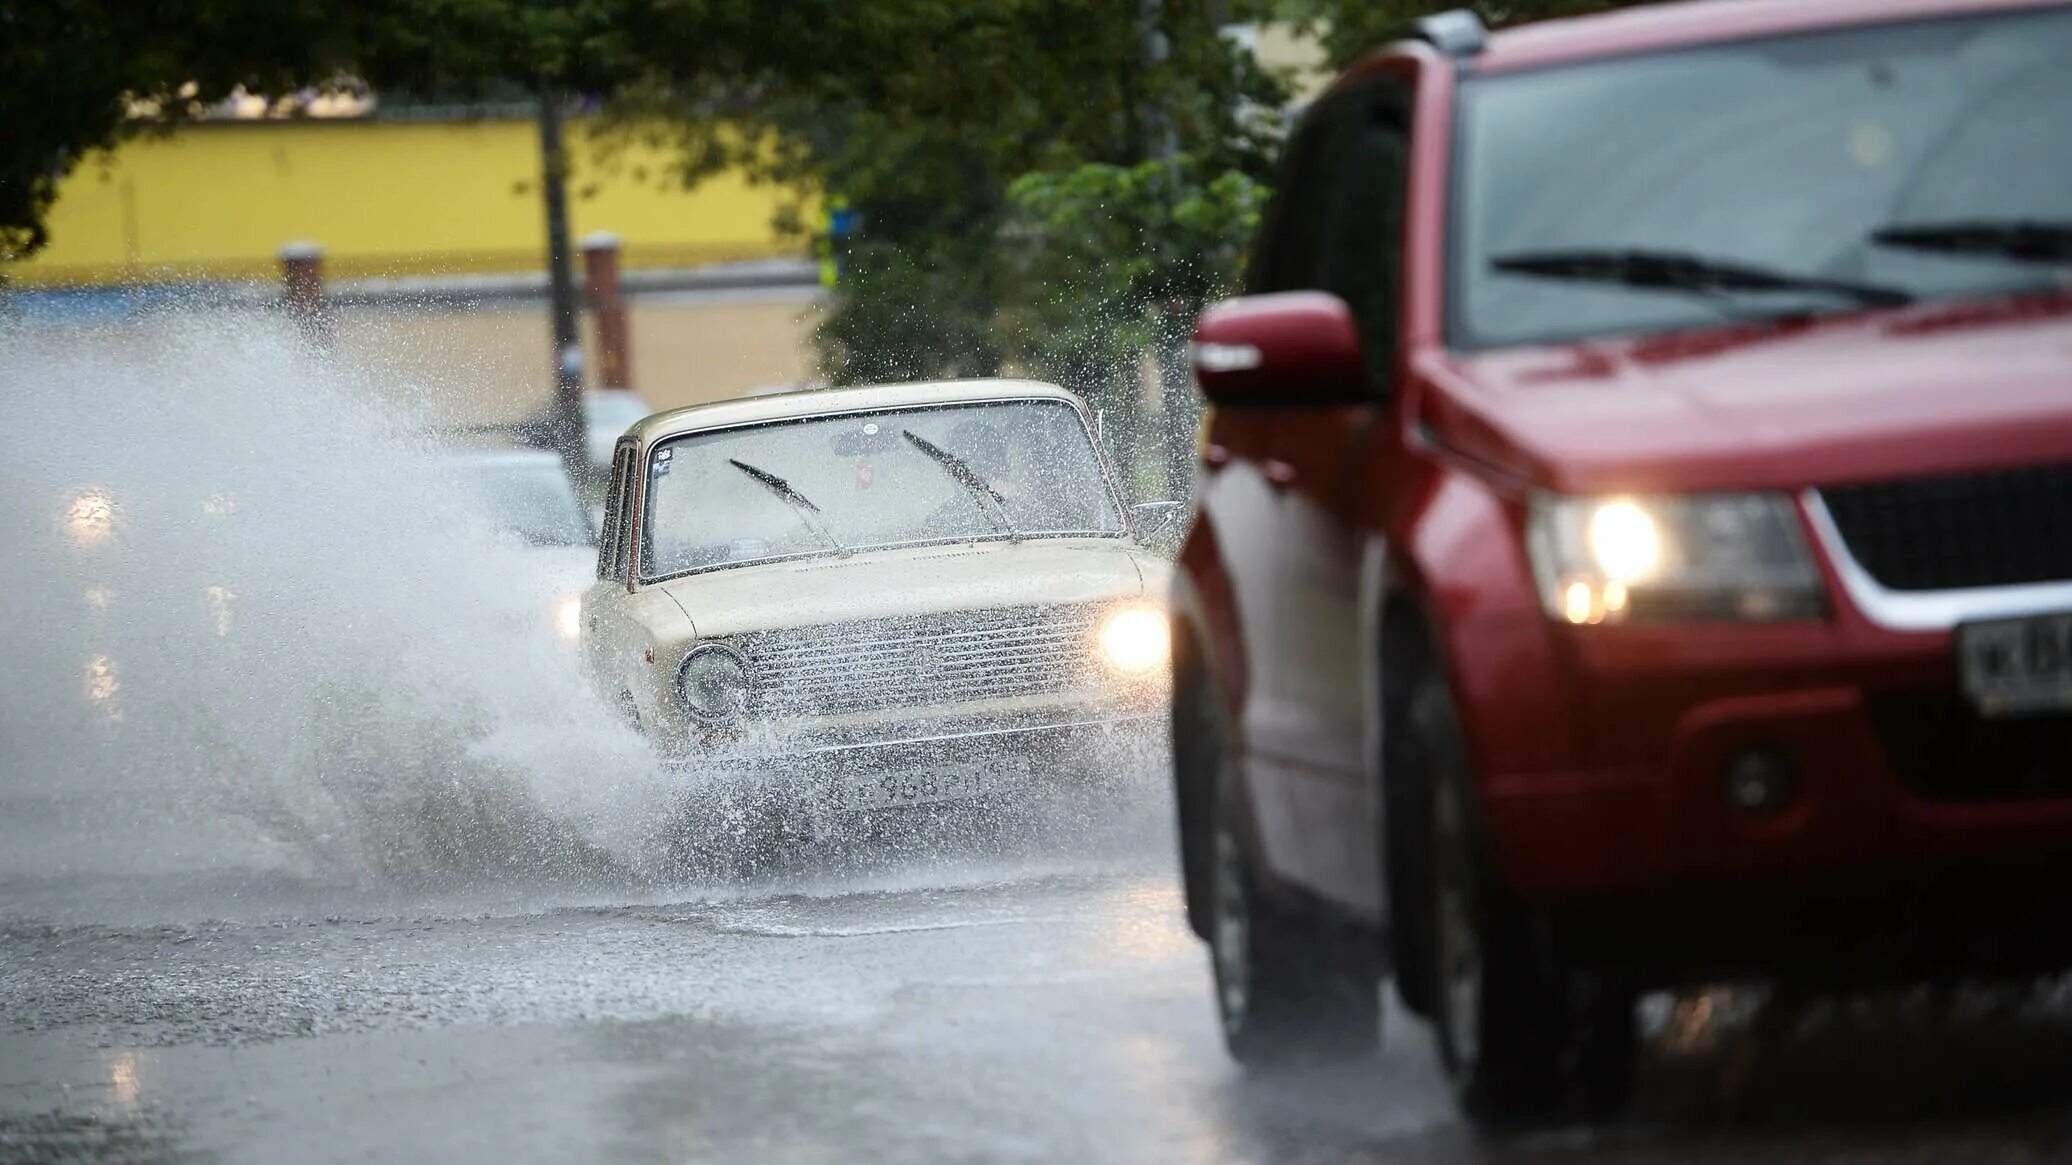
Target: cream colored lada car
882 596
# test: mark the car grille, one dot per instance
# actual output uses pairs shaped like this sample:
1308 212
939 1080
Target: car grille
1942 750
2002 528
927 661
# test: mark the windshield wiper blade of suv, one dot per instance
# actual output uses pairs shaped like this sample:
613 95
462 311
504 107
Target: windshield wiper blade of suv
807 511
961 472
2023 240
1679 271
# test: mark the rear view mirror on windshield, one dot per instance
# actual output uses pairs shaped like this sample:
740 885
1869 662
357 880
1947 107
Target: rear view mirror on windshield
864 438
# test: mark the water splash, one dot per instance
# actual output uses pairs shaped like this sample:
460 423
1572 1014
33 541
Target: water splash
264 655
254 628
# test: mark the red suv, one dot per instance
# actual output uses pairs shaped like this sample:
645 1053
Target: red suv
1634 534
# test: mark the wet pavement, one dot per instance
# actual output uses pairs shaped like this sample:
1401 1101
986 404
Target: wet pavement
1010 1014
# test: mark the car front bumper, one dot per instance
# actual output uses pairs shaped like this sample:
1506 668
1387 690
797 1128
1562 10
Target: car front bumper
1074 742
1892 780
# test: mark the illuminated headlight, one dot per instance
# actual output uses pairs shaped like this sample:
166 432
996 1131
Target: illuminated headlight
1135 639
1663 559
713 684
568 617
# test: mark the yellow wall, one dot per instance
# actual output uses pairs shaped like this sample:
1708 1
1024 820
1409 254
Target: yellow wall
383 198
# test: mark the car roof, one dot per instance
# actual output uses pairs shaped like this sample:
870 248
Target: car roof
821 402
1659 27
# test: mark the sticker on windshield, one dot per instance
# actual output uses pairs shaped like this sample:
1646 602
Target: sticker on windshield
1870 145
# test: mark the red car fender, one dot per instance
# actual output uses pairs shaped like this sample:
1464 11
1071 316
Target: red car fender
1202 607
1458 559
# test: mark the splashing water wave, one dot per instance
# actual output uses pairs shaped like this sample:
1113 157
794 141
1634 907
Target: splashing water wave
254 631
263 655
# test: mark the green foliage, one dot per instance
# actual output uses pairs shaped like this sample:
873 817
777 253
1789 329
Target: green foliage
912 313
1105 257
1109 265
946 106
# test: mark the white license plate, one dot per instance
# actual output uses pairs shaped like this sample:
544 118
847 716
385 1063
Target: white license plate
926 785
2017 667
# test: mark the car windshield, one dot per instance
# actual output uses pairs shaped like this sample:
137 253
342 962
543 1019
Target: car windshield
826 485
530 499
1815 172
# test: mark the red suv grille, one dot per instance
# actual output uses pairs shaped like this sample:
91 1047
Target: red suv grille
2002 528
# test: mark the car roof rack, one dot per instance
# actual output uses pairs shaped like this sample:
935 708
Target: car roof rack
1457 32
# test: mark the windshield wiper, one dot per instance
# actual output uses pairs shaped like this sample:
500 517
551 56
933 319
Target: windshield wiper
2023 240
988 498
1680 271
809 514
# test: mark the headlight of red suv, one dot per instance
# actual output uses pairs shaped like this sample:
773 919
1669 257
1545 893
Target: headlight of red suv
1667 558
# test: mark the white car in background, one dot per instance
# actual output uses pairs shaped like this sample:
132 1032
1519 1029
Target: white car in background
527 496
607 413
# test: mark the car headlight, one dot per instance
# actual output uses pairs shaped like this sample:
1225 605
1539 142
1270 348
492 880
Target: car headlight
1135 639
568 617
713 684
1667 558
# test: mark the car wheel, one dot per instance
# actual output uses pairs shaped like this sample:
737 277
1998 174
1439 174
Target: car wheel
1527 1034
1290 986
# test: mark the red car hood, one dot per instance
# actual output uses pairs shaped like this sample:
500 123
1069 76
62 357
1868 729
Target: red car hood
1906 393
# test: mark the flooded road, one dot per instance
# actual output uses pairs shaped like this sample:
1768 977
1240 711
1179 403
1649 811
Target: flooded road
315 846
973 1014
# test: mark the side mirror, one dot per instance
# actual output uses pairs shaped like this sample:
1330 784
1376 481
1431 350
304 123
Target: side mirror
1289 348
1159 524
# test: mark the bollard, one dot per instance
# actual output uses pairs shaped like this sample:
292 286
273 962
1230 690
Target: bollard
601 274
302 287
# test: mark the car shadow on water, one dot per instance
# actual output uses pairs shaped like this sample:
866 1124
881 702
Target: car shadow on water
1729 1077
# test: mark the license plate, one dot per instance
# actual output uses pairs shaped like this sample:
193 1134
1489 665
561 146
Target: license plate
927 785
2017 667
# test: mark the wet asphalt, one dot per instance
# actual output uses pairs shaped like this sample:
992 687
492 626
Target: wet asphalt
981 1010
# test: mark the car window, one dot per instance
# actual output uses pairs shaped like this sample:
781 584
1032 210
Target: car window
1365 252
611 548
1290 256
858 481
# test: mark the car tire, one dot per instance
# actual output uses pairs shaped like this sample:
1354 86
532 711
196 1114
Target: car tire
1527 1034
1291 986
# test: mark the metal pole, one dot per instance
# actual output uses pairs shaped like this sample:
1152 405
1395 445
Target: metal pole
567 427
302 289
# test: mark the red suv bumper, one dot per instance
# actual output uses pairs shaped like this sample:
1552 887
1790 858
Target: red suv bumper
1891 777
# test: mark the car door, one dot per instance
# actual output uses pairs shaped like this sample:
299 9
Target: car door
606 626
1242 497
1315 745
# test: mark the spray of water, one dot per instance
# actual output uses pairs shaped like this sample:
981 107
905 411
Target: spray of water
255 631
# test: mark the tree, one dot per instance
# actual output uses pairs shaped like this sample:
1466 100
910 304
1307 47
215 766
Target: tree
1111 264
942 106
72 73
